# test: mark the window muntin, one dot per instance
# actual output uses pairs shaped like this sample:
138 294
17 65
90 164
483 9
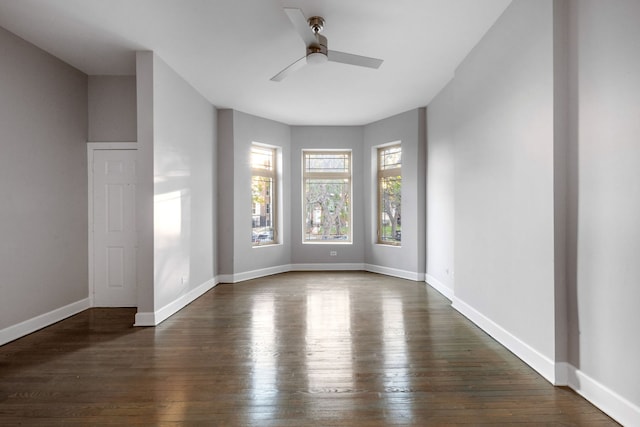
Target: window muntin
326 196
389 180
263 192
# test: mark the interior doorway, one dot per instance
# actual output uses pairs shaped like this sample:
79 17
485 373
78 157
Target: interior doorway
112 226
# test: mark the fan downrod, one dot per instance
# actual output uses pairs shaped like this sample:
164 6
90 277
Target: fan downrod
316 23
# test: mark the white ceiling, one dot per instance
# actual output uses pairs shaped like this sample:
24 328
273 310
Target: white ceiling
229 49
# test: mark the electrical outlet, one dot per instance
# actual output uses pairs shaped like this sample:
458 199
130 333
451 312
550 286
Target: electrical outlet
333 253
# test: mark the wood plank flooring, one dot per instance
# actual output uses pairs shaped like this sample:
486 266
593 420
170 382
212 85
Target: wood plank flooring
295 349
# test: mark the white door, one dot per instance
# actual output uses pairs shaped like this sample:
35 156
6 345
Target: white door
114 228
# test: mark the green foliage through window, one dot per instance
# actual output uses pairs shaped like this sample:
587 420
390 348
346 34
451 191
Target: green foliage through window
263 195
327 196
390 195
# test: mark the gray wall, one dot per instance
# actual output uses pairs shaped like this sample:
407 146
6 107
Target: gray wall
184 146
226 193
43 182
440 192
492 145
604 243
409 129
176 135
112 109
504 248
145 186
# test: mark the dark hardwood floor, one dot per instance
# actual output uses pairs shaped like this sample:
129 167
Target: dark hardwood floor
296 349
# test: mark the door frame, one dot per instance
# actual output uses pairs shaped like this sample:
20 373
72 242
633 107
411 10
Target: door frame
92 147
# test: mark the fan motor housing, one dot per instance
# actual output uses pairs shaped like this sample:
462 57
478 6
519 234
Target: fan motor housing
319 47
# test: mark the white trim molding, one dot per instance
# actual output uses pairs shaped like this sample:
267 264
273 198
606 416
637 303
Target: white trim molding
562 374
125 145
225 278
395 272
147 318
607 400
255 274
327 267
445 290
158 316
42 321
538 361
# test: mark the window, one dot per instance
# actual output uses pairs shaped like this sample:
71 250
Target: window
326 196
263 185
390 195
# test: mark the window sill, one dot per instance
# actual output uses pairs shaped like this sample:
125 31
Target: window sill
328 242
266 245
386 245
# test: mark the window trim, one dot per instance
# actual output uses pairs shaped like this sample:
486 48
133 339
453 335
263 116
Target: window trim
380 174
326 175
273 174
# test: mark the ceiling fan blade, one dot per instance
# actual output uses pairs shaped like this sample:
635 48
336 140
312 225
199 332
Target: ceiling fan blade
290 69
351 59
301 25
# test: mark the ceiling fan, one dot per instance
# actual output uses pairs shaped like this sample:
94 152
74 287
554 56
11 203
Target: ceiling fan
317 50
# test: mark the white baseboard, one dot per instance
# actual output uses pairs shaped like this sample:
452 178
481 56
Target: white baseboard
255 274
146 318
395 272
155 318
225 278
327 267
541 363
611 403
445 290
31 325
562 374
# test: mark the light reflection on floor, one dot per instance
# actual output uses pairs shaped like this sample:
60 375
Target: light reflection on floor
396 364
329 343
328 360
264 391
